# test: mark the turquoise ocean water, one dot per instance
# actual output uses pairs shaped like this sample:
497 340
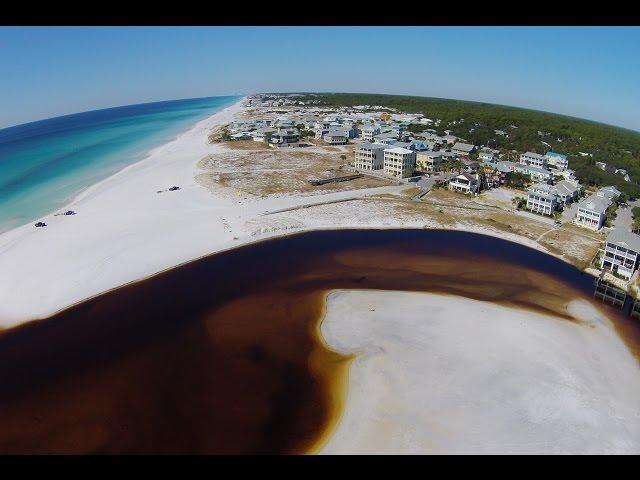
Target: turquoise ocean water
44 164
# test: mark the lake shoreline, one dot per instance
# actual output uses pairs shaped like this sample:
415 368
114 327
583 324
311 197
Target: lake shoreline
202 343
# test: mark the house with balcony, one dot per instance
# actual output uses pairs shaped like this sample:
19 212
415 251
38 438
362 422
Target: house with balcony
536 174
465 183
399 162
621 253
533 160
429 161
369 156
543 198
568 191
463 149
336 137
592 212
284 136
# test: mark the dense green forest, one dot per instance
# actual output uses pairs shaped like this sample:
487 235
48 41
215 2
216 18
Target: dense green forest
526 129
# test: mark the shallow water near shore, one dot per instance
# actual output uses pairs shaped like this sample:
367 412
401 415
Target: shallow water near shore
224 354
44 164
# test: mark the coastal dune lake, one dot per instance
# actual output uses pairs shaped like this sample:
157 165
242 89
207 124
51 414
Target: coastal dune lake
225 354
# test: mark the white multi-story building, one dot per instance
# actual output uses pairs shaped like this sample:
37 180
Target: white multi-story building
369 156
336 137
621 253
428 161
368 133
568 191
592 212
399 162
558 160
533 160
465 182
543 198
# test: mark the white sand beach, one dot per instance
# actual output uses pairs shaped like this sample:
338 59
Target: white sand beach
440 374
124 231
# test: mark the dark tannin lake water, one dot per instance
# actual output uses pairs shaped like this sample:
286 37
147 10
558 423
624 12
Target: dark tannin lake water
223 355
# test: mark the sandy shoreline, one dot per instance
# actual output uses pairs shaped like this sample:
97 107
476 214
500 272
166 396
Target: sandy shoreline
543 385
124 231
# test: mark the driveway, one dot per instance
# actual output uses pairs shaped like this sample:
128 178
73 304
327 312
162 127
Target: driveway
624 217
569 212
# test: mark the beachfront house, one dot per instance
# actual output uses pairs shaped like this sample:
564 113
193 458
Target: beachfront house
285 136
369 156
621 253
533 160
558 160
399 162
463 149
542 198
336 137
429 161
592 212
465 182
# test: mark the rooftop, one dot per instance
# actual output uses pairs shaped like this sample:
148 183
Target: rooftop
372 146
465 147
595 203
624 239
400 150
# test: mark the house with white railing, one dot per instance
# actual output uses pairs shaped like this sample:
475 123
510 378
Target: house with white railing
621 253
465 183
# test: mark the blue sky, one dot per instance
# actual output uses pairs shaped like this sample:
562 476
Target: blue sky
588 72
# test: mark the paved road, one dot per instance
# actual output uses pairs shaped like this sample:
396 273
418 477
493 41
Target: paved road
426 183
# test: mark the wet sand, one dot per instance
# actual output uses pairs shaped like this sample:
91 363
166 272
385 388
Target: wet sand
225 354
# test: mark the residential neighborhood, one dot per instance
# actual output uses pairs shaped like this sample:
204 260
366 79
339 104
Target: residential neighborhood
406 147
